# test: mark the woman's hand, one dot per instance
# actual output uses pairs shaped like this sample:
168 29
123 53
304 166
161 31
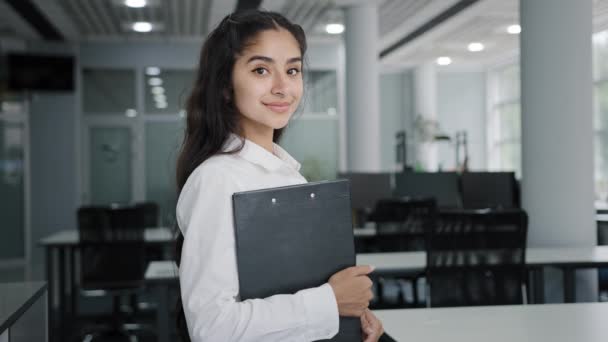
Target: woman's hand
352 288
371 326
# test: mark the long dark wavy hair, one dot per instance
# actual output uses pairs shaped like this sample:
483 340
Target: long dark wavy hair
211 113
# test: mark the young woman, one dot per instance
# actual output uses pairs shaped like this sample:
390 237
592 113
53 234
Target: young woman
248 85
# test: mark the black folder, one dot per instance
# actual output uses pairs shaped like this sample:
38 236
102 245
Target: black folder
292 238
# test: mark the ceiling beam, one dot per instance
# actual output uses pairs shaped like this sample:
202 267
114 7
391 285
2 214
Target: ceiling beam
58 16
429 25
31 14
15 23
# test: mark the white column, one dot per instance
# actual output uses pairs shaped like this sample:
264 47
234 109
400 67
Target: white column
425 80
557 127
362 87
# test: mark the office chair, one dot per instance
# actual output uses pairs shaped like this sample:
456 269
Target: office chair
477 258
150 211
112 258
400 226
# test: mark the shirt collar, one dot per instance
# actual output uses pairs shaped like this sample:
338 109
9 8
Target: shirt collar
258 155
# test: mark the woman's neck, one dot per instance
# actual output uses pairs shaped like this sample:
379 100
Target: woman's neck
261 136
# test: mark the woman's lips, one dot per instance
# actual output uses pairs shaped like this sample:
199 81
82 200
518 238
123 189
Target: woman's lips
278 107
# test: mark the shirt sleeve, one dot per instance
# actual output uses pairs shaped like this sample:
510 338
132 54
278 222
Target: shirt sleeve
209 279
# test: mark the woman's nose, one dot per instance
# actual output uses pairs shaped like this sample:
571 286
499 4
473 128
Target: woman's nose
279 85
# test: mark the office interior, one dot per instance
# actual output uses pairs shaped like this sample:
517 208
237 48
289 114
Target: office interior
477 108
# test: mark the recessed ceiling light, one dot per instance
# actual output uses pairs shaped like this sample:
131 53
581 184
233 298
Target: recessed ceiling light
136 3
157 90
130 113
475 47
444 60
514 29
160 98
161 105
152 71
155 81
142 26
334 28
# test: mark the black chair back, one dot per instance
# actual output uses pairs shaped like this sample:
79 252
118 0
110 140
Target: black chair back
150 212
112 250
401 224
602 240
477 258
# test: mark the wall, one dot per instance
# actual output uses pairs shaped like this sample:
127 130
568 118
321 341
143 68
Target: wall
461 105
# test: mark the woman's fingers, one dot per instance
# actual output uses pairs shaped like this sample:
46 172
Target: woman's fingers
365 323
374 330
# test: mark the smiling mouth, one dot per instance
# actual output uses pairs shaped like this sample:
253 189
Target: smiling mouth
278 107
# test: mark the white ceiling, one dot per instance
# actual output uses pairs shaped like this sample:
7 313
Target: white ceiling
485 21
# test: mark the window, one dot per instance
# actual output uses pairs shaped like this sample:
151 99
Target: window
504 120
600 113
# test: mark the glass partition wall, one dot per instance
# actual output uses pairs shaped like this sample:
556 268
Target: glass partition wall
14 184
133 122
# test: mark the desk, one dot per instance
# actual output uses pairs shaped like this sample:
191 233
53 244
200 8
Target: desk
163 273
513 323
564 258
160 276
60 250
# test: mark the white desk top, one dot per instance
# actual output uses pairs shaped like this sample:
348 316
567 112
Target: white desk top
535 256
364 232
601 217
165 270
416 261
522 323
70 237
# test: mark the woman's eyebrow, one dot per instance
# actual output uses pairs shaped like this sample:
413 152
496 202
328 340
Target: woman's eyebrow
270 60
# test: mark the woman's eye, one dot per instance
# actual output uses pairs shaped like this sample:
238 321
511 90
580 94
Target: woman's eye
260 71
293 71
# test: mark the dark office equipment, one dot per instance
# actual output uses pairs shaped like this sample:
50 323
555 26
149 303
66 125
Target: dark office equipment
442 186
365 190
112 256
401 225
602 240
293 238
489 190
40 72
401 149
477 258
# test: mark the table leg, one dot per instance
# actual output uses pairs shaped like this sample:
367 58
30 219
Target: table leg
539 285
162 312
73 287
52 299
61 289
569 285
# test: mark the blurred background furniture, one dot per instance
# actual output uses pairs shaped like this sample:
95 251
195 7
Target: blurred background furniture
401 225
477 258
112 259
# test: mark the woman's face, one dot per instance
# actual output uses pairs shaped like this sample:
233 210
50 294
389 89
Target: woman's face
267 81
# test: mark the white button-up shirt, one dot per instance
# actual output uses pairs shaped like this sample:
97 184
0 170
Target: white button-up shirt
208 271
